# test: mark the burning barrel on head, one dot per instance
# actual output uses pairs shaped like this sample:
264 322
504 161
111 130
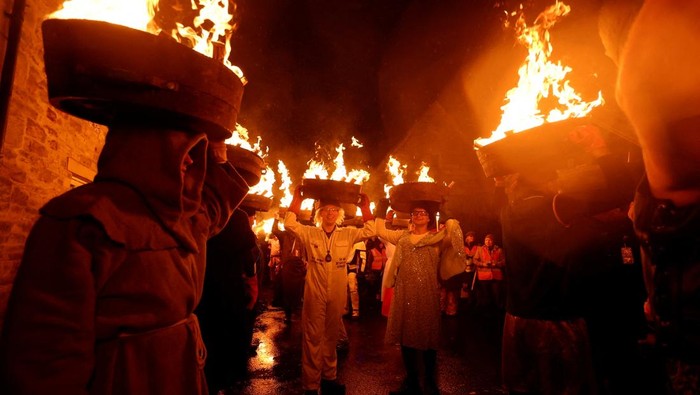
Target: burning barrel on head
543 148
109 74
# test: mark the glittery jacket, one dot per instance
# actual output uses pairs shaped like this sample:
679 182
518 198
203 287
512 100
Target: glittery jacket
414 318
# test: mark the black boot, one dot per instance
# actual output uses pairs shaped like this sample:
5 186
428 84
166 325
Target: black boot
332 387
430 363
410 385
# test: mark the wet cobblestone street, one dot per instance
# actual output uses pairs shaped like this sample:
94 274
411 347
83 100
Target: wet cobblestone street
468 361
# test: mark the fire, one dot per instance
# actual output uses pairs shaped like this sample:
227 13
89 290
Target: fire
241 138
264 187
285 184
317 168
136 14
358 212
210 29
263 226
396 171
539 78
356 143
423 173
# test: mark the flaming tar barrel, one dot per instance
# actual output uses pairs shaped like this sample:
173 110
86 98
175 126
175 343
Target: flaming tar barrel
257 202
547 145
344 192
107 73
403 196
248 164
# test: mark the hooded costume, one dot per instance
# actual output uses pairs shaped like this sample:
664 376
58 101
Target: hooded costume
112 271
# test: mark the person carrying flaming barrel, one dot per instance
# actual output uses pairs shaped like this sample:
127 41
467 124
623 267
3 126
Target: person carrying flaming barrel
328 247
658 88
422 252
113 270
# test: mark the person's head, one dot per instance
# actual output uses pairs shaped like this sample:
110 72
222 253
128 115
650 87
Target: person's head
488 240
470 237
166 165
329 213
423 214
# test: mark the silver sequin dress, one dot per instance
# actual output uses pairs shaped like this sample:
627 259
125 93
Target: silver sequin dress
414 318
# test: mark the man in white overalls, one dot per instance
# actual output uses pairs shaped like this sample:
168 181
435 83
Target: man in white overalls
325 290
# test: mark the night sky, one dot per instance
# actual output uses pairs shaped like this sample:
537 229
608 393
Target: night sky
323 71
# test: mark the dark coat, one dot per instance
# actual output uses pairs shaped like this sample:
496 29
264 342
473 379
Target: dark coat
112 272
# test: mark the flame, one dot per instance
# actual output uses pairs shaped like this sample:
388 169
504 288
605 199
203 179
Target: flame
211 29
285 184
307 205
136 14
241 138
539 78
264 187
423 173
358 212
317 168
356 143
339 161
263 226
396 171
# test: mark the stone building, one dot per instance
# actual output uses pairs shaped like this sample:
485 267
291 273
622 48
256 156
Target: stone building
44 152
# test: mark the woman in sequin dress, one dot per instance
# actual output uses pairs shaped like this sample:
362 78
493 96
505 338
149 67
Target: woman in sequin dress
414 319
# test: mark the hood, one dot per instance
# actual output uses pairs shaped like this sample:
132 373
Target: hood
149 160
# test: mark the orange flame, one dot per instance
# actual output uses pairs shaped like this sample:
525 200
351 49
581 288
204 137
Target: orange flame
241 138
396 172
356 143
423 173
318 169
264 187
358 212
263 226
539 78
285 184
212 27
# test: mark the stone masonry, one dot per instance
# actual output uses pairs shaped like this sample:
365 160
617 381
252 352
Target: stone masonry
40 142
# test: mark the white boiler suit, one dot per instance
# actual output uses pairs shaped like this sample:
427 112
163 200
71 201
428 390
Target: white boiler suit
325 294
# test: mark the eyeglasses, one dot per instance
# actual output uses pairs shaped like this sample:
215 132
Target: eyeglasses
331 209
419 214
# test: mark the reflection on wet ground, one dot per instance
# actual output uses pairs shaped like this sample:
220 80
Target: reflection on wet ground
468 361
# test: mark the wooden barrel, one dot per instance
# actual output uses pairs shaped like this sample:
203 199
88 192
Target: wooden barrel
257 202
248 164
344 192
545 146
404 196
107 73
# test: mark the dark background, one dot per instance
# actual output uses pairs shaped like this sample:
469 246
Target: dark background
327 70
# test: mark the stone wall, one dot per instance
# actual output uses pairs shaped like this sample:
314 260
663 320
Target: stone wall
45 151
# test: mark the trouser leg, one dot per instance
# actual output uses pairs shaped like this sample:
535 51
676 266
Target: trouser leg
354 294
430 364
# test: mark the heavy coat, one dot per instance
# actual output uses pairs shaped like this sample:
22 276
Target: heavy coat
112 271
